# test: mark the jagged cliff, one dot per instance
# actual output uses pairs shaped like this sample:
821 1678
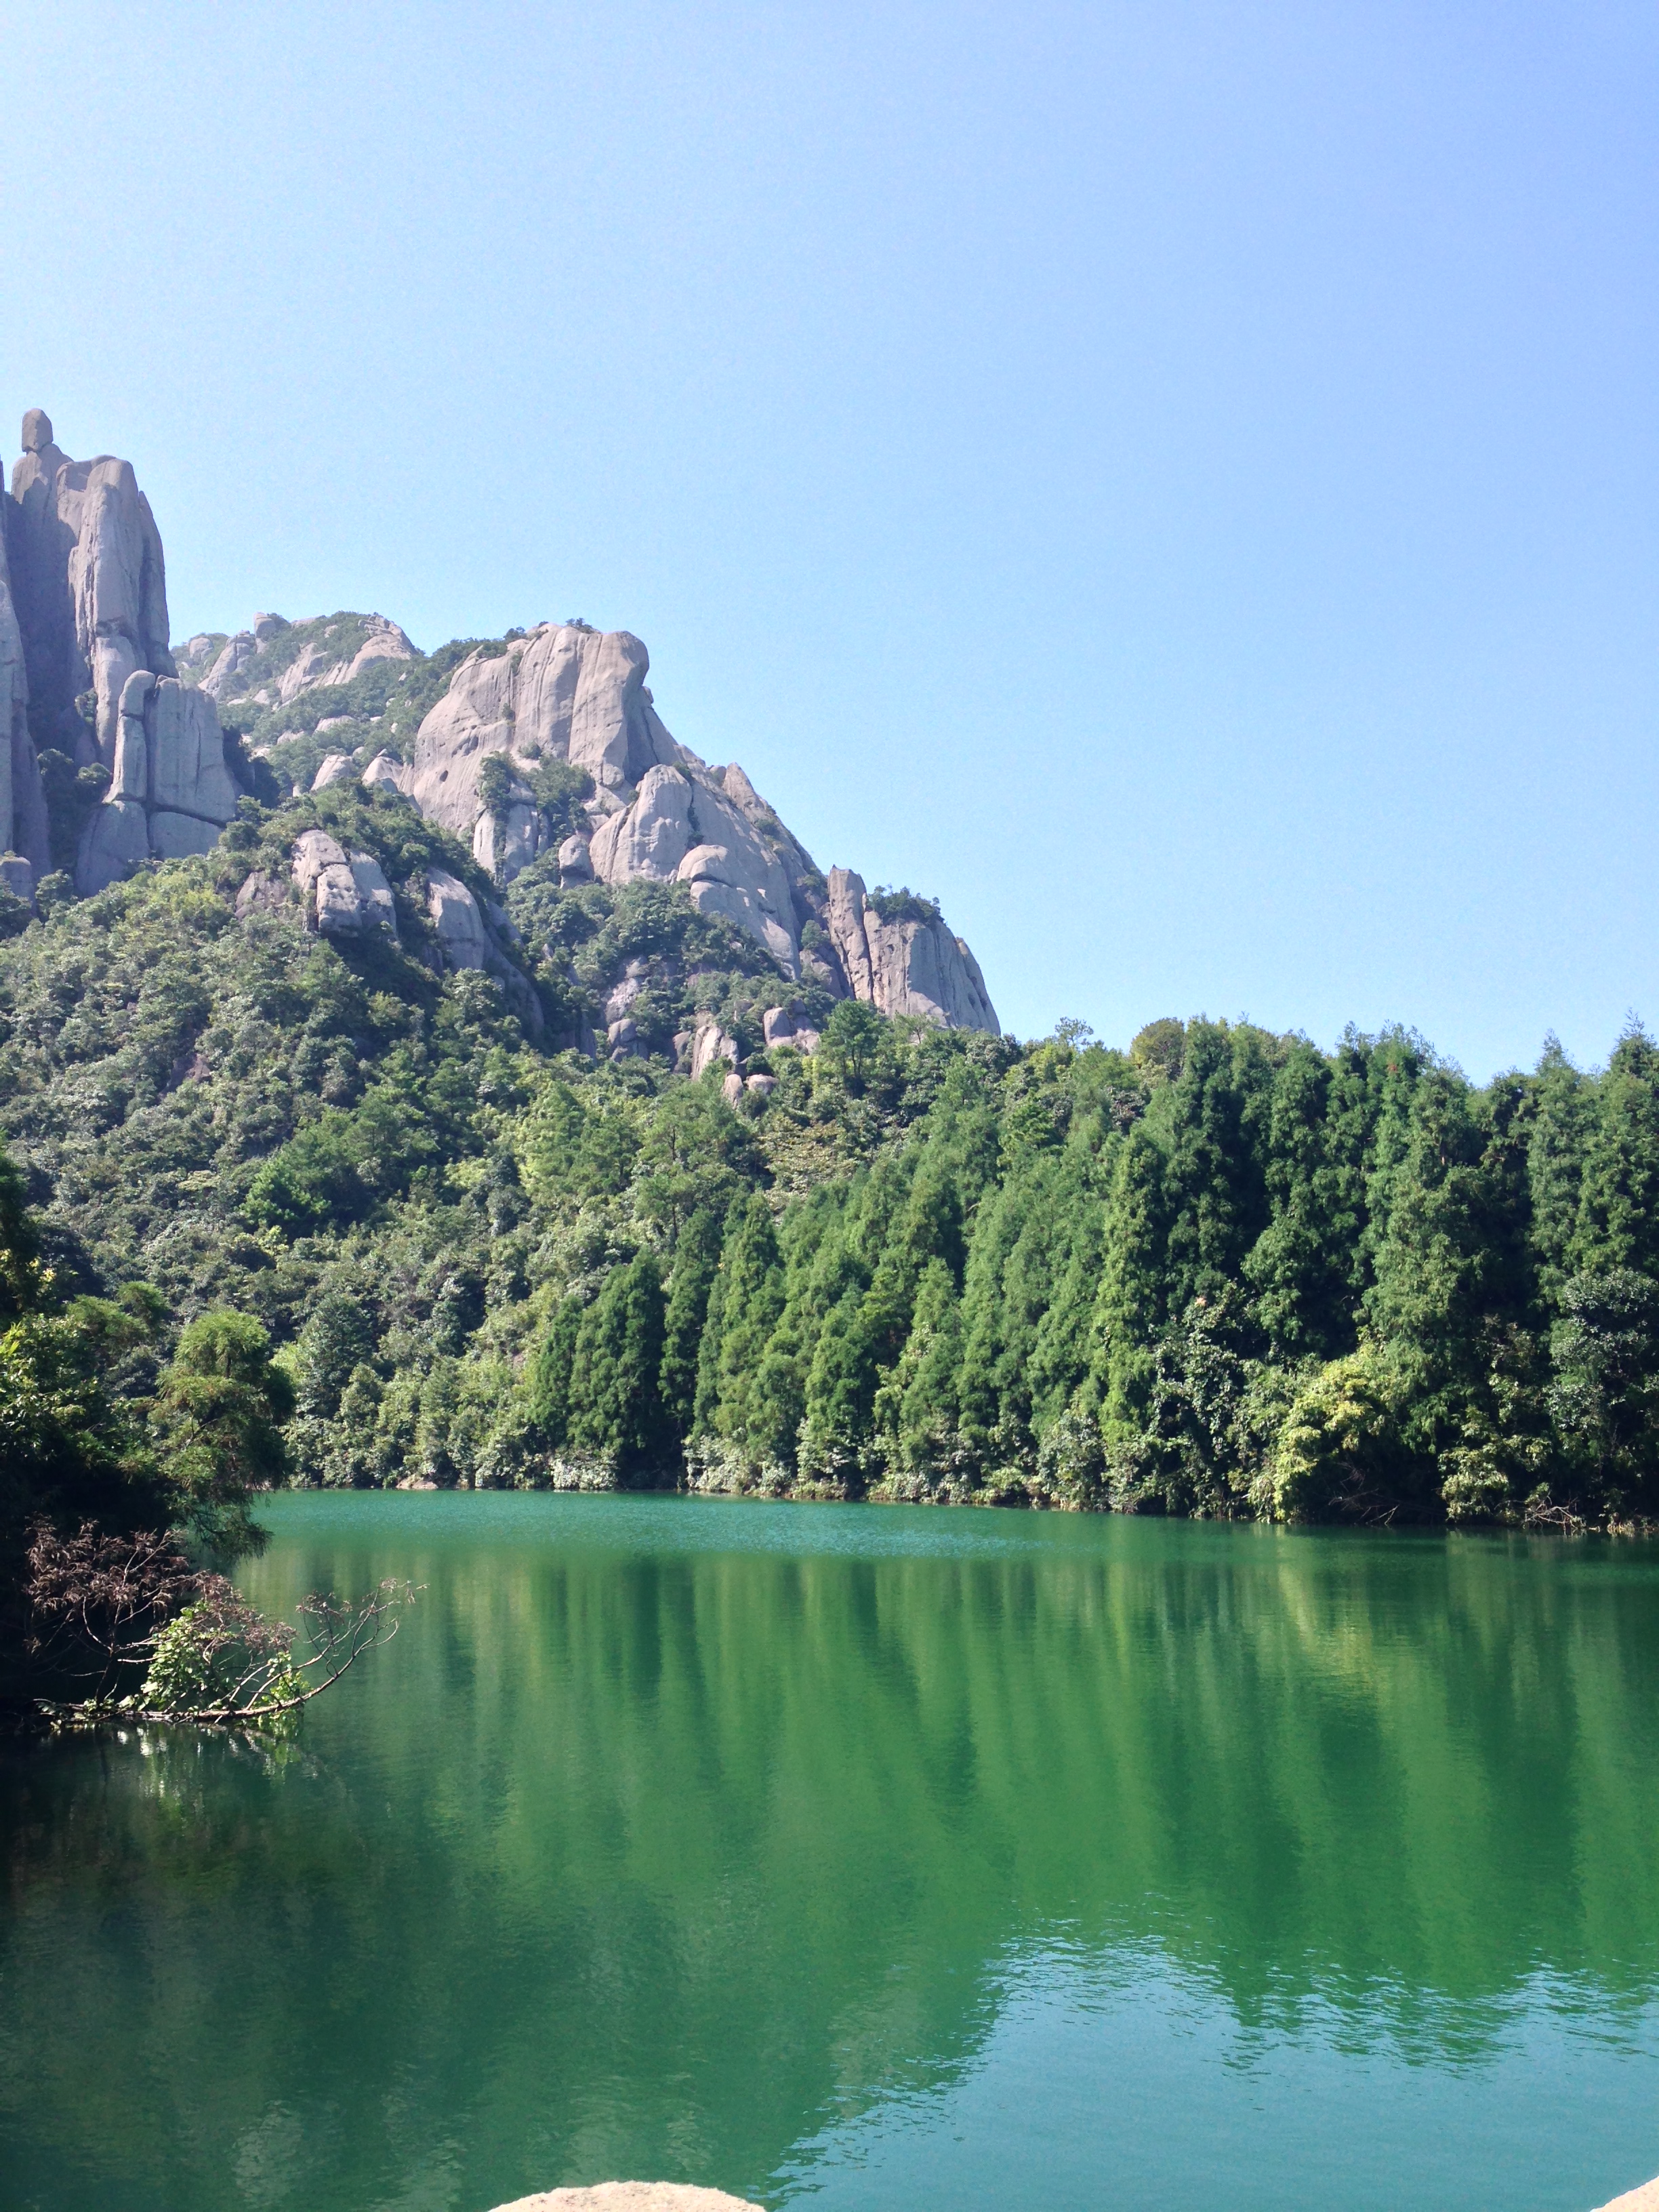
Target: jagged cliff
90 680
542 750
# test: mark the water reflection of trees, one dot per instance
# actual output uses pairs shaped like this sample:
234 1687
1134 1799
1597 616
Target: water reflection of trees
657 1860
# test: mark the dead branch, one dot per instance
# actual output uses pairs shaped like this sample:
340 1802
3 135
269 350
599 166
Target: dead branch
100 1603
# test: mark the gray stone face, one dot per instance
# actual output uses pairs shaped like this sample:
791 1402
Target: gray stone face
130 779
456 918
17 877
847 934
86 602
345 893
788 1025
171 836
505 845
681 828
657 812
22 804
83 625
90 585
233 656
375 905
916 969
560 693
334 768
261 894
187 771
383 769
712 1043
313 665
169 764
117 841
622 997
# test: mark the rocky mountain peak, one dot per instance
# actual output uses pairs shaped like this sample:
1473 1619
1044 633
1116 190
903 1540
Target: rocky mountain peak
541 750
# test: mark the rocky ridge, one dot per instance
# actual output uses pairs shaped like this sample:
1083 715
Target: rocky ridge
543 751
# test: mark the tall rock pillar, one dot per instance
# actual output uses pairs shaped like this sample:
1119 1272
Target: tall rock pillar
22 804
82 627
91 590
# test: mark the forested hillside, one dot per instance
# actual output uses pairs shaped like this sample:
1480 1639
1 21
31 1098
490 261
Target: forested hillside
1219 1273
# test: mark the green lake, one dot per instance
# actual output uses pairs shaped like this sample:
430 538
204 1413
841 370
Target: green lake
866 1857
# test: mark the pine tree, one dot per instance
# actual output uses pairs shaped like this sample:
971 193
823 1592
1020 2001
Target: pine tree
333 1341
1563 1115
550 1372
696 1258
616 1404
1132 1304
752 1304
1618 1206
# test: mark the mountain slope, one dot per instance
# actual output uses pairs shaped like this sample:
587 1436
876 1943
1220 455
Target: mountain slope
567 1125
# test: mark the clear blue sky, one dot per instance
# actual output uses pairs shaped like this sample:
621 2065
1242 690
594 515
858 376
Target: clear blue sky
1176 482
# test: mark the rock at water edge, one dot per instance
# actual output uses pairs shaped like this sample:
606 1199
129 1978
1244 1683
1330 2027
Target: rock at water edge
632 2197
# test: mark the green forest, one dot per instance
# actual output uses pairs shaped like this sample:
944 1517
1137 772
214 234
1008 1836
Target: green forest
282 1208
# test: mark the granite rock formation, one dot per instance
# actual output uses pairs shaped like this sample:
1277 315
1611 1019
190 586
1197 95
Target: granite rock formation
563 692
238 664
87 611
455 915
384 769
22 804
85 666
91 589
788 1025
345 893
566 693
171 791
910 965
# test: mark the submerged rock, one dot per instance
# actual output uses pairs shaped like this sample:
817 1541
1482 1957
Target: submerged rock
1645 2199
631 2197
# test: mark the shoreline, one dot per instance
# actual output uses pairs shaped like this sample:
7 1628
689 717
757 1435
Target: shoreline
1004 1502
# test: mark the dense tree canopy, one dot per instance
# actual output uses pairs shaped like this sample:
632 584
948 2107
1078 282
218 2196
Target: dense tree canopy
1222 1271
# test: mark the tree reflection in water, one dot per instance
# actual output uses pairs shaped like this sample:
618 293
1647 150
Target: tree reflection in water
678 1832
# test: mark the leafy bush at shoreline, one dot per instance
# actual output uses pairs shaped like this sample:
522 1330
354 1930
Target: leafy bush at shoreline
1221 1272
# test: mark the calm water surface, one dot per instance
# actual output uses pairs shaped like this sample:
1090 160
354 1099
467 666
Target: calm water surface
866 1857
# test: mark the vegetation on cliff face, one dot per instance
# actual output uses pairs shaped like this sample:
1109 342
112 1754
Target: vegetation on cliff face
1221 1272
